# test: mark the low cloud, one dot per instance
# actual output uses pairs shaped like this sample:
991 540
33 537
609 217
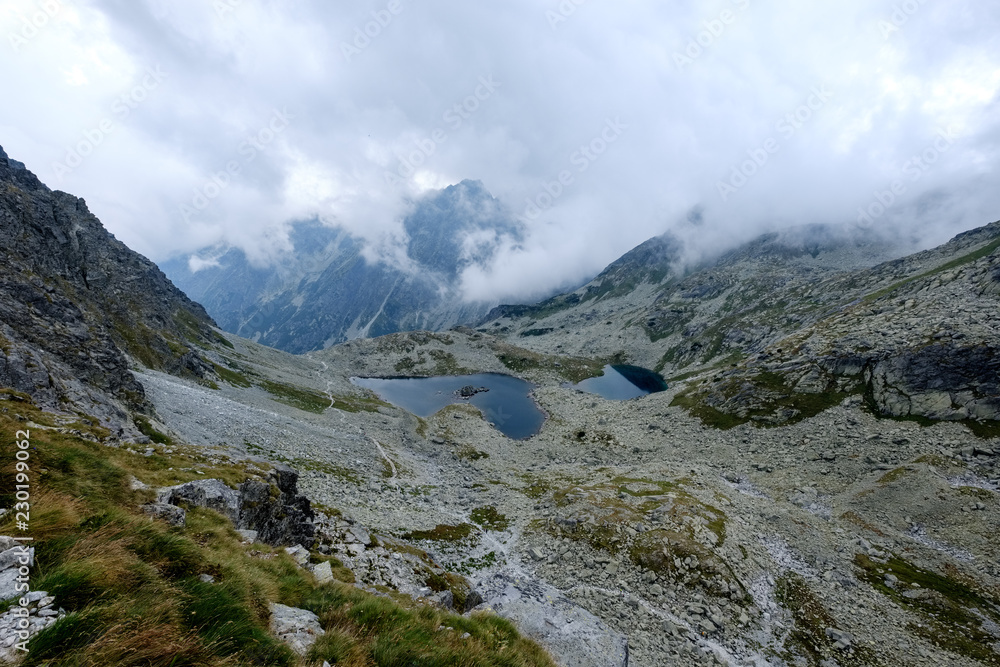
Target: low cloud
757 114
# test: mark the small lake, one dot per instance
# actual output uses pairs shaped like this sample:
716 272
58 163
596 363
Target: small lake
621 383
506 404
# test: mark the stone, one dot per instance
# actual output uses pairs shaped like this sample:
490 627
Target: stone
247 534
173 515
299 628
361 534
444 599
211 493
206 578
298 553
536 554
323 572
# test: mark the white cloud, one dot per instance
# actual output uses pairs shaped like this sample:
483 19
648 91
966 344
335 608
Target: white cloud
421 76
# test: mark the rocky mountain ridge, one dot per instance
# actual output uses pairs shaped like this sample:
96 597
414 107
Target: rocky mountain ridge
326 290
916 335
76 305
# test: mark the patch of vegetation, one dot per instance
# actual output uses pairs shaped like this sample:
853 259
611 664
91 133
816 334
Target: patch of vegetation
339 472
131 584
232 377
572 369
363 630
782 405
708 415
297 397
442 533
470 565
986 430
973 256
405 365
953 612
808 636
489 518
893 476
470 453
147 430
536 488
446 364
536 332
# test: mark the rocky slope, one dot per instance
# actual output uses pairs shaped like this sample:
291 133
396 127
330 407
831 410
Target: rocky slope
843 539
325 290
762 511
76 305
792 323
664 312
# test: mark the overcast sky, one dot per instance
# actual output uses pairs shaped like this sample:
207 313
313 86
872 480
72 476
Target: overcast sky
185 123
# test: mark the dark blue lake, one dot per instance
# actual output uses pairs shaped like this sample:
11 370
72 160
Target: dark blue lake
622 382
507 404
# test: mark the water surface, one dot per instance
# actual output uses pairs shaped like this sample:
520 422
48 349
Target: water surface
507 405
621 383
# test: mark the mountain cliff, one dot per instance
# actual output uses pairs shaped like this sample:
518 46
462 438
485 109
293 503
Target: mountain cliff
325 290
785 325
76 304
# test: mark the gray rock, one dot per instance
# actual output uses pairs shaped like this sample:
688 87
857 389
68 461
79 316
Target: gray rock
175 516
299 628
299 553
210 493
323 573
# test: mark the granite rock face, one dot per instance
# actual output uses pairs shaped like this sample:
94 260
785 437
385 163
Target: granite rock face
273 510
325 291
76 304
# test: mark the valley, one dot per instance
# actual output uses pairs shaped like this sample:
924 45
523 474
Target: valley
816 485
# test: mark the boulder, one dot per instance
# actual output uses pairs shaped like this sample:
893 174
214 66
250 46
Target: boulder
285 519
299 628
175 516
210 493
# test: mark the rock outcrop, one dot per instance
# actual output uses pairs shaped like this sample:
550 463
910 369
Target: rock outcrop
273 510
76 304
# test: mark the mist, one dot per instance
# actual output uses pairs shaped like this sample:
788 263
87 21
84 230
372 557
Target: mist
188 124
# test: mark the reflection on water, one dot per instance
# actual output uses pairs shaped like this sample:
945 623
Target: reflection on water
621 382
505 403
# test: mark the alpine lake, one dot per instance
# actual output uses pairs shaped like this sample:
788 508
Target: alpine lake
505 401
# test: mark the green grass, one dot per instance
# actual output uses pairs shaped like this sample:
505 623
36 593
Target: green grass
973 256
393 636
489 518
131 584
307 400
807 638
147 430
442 533
767 387
232 377
953 612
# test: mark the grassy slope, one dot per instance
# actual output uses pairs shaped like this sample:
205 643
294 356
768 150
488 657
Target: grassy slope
131 584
